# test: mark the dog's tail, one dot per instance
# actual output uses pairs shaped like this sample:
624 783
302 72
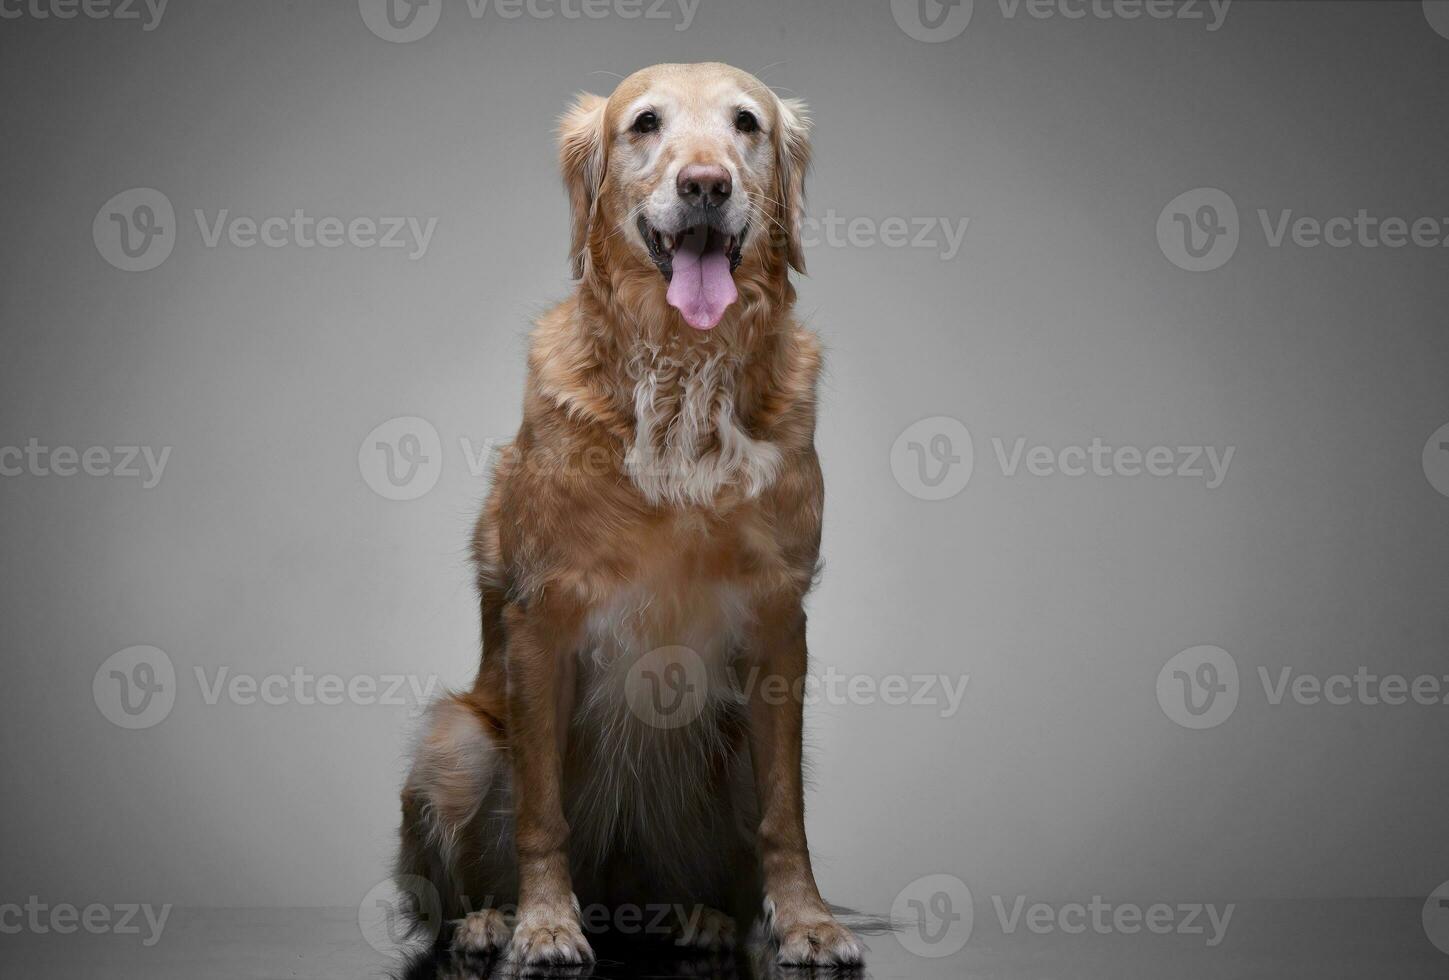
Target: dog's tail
425 964
864 923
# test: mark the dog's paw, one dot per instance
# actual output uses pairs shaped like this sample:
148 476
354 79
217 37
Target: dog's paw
548 937
710 930
481 933
812 939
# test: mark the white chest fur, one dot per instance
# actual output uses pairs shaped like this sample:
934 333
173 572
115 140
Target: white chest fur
688 444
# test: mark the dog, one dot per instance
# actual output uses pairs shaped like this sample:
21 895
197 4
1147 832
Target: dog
655 523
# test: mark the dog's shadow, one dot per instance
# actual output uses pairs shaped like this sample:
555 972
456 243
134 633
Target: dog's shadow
626 961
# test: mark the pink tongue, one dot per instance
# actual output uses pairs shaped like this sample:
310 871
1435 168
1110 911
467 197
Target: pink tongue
701 286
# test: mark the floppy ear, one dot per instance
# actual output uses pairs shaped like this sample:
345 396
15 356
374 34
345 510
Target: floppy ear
581 158
792 159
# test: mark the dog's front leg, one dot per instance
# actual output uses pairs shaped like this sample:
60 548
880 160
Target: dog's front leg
799 920
541 672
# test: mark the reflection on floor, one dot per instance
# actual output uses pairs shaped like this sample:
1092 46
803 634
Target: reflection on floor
1340 940
616 961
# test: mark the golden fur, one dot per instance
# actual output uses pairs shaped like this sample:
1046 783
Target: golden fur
662 498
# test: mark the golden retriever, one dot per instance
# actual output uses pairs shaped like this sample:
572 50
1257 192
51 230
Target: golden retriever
657 519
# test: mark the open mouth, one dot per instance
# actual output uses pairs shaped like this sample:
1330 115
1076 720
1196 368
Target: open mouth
699 264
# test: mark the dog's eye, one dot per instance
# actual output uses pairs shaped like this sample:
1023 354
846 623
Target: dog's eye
647 122
746 122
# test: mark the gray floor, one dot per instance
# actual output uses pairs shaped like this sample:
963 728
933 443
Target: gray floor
1363 940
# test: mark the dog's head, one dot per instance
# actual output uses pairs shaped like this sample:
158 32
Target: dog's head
691 172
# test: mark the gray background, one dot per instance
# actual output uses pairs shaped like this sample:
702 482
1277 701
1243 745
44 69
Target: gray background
263 549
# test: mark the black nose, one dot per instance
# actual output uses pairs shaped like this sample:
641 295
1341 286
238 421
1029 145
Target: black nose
704 184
